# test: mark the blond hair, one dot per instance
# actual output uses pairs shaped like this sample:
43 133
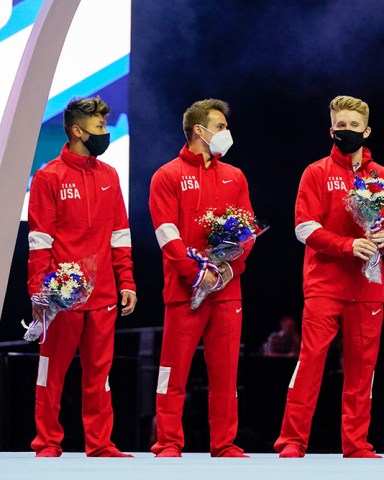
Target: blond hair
198 112
343 102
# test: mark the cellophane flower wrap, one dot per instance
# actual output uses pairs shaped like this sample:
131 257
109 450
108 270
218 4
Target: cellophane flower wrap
366 203
227 234
66 288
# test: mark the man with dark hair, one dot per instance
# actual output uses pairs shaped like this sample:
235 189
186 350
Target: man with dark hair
182 191
76 211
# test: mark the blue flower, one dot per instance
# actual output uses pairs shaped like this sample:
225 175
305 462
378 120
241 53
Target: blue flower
244 233
75 277
231 225
359 183
49 277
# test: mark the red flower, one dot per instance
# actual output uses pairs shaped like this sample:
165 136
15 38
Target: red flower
374 188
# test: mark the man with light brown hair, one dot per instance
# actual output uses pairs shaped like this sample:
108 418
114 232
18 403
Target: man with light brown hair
337 295
181 192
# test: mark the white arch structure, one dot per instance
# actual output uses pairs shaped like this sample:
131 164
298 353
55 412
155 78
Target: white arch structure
22 119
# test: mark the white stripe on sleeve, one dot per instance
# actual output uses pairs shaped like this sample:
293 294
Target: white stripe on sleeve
303 230
39 240
166 233
121 238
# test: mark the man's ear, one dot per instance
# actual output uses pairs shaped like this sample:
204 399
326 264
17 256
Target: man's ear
76 131
367 132
197 129
331 132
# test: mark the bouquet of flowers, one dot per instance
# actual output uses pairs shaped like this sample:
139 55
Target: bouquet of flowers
366 203
227 234
67 288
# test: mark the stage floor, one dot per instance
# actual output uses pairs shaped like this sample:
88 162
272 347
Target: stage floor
192 466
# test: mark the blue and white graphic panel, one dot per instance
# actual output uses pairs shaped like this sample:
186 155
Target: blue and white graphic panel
94 61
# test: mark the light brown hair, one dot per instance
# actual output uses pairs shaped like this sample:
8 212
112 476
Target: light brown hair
198 112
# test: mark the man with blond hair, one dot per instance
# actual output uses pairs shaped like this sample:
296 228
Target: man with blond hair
337 295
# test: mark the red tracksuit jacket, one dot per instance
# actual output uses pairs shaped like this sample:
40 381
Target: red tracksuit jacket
76 210
181 192
328 230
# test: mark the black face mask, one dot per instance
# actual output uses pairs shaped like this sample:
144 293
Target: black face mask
348 141
97 144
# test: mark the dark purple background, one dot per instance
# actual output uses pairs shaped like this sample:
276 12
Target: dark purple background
278 63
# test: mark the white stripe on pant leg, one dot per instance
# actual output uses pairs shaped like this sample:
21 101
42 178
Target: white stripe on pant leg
42 374
162 383
373 377
293 379
107 387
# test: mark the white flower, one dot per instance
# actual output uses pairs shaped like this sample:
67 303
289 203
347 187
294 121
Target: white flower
364 193
66 291
378 195
53 284
76 269
65 267
68 268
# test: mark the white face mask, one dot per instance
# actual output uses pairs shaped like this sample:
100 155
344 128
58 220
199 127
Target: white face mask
220 142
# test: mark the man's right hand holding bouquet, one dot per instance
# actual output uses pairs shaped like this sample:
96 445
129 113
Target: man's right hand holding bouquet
227 236
366 203
365 248
66 288
215 281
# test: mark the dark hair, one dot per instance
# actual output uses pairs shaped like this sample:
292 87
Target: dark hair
198 112
81 108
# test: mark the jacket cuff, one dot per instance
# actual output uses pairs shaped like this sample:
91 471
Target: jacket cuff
348 247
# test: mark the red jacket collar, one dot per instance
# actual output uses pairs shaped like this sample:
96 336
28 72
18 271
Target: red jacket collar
345 158
188 156
77 161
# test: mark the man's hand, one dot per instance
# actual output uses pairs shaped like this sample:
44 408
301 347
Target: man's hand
377 238
364 248
128 302
210 280
226 272
37 312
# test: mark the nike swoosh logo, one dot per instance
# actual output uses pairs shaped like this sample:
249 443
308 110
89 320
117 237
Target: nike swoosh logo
227 181
111 308
105 188
375 312
238 310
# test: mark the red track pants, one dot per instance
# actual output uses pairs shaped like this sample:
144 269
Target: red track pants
93 332
361 326
219 324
